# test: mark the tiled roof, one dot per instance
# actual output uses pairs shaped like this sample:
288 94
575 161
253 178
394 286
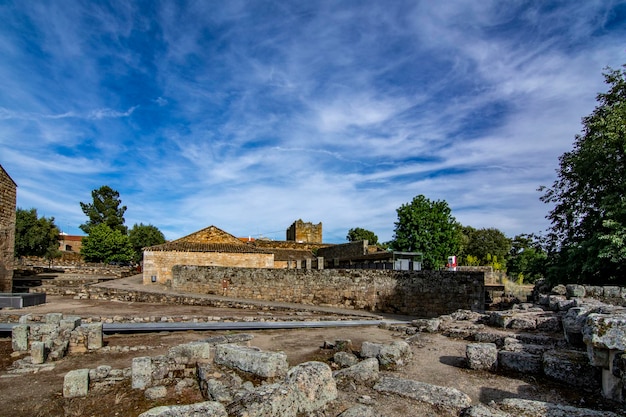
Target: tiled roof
290 254
181 246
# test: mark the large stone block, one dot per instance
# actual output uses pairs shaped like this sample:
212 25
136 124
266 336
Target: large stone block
523 362
141 372
605 331
571 367
257 362
363 373
19 338
76 383
482 356
427 393
193 351
38 352
94 335
313 385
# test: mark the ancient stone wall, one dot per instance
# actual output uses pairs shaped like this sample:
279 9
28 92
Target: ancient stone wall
8 193
159 263
300 231
419 293
346 250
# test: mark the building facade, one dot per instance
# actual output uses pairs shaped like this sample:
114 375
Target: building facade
303 232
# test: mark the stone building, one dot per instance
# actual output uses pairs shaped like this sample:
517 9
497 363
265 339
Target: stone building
207 247
303 232
70 243
8 195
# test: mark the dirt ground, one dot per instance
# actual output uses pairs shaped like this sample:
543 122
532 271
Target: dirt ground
436 359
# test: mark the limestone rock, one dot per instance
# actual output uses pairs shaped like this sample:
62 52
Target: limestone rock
205 409
76 383
522 362
345 359
263 364
575 291
307 388
571 367
363 373
427 325
141 369
530 408
313 385
605 331
482 356
427 393
370 349
394 355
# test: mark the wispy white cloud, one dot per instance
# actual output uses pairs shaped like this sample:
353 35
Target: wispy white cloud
250 115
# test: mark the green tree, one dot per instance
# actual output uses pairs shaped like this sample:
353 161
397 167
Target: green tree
527 259
106 245
587 237
357 234
34 235
488 243
105 209
142 236
427 226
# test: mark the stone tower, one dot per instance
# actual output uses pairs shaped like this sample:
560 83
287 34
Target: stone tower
8 194
303 232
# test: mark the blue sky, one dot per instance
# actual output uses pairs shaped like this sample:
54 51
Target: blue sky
249 115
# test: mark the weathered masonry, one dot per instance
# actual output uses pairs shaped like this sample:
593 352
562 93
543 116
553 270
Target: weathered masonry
417 293
8 193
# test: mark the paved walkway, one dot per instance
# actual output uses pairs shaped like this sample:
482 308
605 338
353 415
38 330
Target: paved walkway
135 284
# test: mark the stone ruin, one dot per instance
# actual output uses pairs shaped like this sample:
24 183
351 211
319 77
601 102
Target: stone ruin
567 336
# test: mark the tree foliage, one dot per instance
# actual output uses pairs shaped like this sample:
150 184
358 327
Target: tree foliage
105 209
527 259
34 235
142 236
487 244
587 238
106 245
427 226
356 234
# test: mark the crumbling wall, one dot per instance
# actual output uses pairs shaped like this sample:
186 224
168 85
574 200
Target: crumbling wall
419 293
8 192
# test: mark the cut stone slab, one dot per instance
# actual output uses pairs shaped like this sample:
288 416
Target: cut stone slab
94 335
421 391
76 383
482 356
38 352
605 331
571 367
204 409
193 350
254 361
19 338
363 373
523 362
141 372
530 408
